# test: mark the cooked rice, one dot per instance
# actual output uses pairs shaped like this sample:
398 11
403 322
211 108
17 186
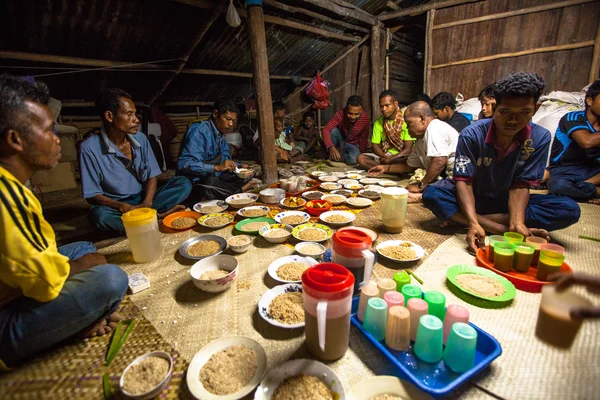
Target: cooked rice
183 222
229 370
256 212
357 201
399 252
334 199
291 271
330 186
254 226
216 221
239 240
145 375
212 275
312 249
481 285
387 397
204 248
287 308
241 201
293 219
302 387
337 219
312 234
211 209
276 233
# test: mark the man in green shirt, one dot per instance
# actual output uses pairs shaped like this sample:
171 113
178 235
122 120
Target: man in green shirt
390 142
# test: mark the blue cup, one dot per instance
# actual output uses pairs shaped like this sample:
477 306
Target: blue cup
459 354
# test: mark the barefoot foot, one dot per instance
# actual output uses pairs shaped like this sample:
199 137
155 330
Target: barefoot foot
594 201
540 233
179 207
415 198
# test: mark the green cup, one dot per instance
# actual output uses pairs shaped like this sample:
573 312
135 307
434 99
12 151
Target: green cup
523 256
492 240
513 237
436 303
459 354
375 321
401 278
550 262
503 256
428 343
411 292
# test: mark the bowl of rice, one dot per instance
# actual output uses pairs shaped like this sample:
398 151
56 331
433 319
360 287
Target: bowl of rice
359 202
292 218
312 232
335 199
182 220
253 211
241 200
199 247
211 206
329 186
400 250
215 274
251 226
289 269
344 182
240 243
276 233
310 249
369 181
215 221
147 375
283 306
328 178
337 218
387 183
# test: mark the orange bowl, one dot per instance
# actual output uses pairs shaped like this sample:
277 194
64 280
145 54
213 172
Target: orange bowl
168 221
316 211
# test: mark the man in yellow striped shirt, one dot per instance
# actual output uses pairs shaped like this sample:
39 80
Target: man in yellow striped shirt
47 294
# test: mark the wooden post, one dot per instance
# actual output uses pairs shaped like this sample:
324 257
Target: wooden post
428 52
319 121
387 58
260 67
595 69
376 77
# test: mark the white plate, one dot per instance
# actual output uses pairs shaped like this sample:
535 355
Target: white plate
329 186
354 176
379 385
369 181
219 203
351 217
376 188
251 197
419 251
316 174
267 298
339 174
274 266
202 357
375 197
296 367
284 214
328 178
347 181
264 208
387 183
282 202
356 171
356 202
337 203
353 186
305 194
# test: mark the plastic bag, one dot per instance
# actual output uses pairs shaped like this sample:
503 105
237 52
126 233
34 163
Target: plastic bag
233 18
317 90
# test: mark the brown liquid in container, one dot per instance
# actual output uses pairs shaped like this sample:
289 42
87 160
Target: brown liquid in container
337 336
503 262
543 270
522 261
555 330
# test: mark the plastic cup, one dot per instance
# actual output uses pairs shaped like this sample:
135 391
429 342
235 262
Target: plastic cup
411 292
393 298
397 335
459 354
401 278
417 308
503 256
490 248
366 292
513 237
553 247
428 344
436 303
549 263
385 285
523 256
375 321
454 314
537 242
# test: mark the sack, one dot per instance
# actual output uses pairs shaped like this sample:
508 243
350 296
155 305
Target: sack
321 104
317 90
232 18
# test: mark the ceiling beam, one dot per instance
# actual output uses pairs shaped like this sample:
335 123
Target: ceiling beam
434 5
344 9
317 31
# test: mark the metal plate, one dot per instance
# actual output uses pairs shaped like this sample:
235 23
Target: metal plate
184 247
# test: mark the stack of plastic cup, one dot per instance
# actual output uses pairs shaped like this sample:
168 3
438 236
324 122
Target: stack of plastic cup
551 260
366 292
513 237
492 241
375 322
537 242
459 354
411 292
393 298
385 285
436 303
417 308
504 254
454 314
401 278
397 334
428 344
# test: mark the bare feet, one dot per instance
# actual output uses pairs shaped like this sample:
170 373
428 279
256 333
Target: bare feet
594 201
540 233
179 207
415 197
249 186
102 327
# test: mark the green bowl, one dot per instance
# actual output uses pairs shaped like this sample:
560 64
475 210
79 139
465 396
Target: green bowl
246 221
477 299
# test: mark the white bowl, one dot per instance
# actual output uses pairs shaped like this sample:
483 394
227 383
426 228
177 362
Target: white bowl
328 197
272 195
345 182
354 176
213 263
269 296
202 357
387 183
362 193
296 367
250 197
244 173
306 194
316 174
351 217
390 385
300 200
300 249
240 248
328 178
274 266
369 181
265 209
155 391
220 203
281 239
376 188
353 186
284 214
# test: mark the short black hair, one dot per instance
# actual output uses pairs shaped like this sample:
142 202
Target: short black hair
308 114
354 101
593 91
423 97
389 92
225 104
519 84
110 100
14 92
442 100
488 92
278 105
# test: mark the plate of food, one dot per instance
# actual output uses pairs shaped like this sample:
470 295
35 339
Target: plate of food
369 194
211 207
199 247
386 388
329 186
312 232
215 221
316 174
137 383
182 220
227 369
353 175
293 202
369 181
292 218
400 250
289 269
337 218
251 226
312 378
328 178
342 192
276 233
312 195
335 199
387 183
241 200
283 306
359 202
253 211
481 283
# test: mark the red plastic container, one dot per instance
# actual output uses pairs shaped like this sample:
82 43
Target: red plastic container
315 212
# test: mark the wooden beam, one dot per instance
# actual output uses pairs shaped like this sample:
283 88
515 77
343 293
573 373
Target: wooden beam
344 11
317 31
205 27
423 8
297 10
90 62
571 46
376 77
260 66
200 71
514 13
85 104
595 68
428 52
392 5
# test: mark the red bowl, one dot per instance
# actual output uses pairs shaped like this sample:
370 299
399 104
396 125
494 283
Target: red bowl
315 212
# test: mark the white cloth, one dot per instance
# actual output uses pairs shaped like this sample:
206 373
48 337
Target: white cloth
440 140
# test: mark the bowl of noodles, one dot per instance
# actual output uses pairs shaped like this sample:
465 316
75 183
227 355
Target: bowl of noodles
400 250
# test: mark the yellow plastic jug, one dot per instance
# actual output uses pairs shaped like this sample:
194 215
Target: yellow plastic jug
141 227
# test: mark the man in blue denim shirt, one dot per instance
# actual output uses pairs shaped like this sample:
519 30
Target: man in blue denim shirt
118 167
204 156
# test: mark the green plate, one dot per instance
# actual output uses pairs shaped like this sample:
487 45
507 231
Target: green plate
240 224
477 299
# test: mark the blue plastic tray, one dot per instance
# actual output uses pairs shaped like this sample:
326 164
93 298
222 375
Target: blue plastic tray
436 379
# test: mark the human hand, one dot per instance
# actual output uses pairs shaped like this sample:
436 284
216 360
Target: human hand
376 170
126 208
334 154
475 237
592 284
519 227
414 188
385 159
227 165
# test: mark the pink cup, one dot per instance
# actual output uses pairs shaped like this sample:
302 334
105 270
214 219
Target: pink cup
417 308
553 247
393 298
454 313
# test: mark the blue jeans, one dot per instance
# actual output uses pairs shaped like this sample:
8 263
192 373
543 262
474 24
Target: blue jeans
174 192
28 327
348 152
547 212
570 181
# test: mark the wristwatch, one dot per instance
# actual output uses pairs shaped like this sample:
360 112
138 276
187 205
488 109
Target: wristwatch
420 185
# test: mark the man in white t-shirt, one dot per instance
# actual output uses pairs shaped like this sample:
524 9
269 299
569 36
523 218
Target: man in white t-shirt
432 155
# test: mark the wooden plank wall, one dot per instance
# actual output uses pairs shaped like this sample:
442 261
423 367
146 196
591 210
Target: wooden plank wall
566 70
